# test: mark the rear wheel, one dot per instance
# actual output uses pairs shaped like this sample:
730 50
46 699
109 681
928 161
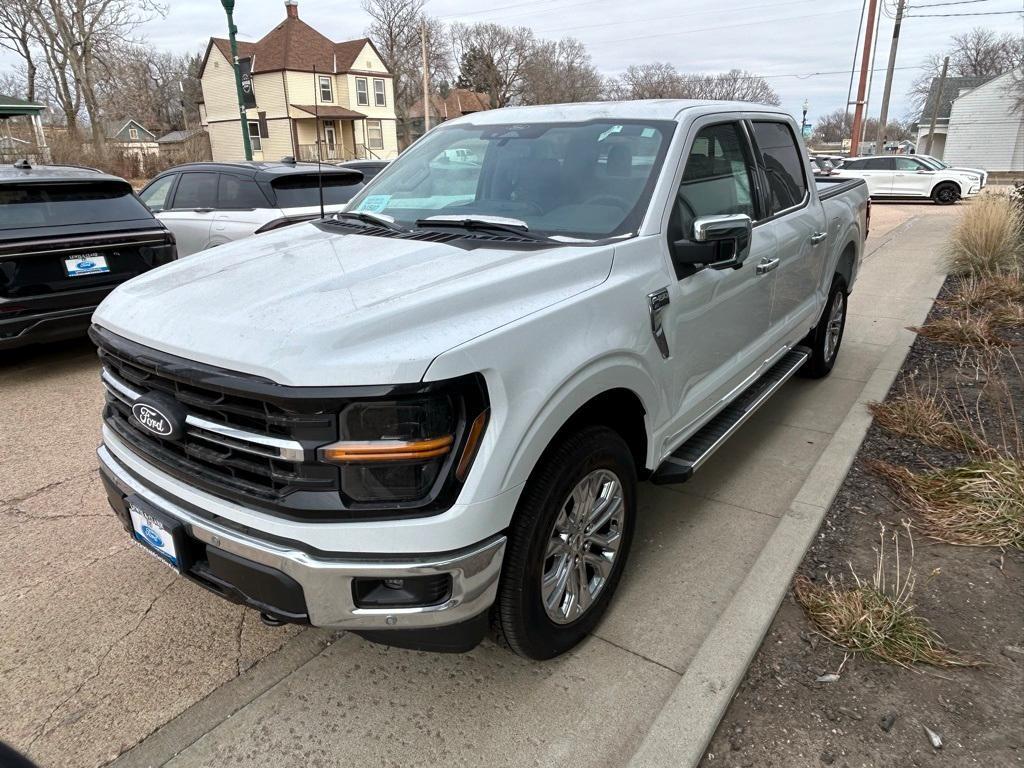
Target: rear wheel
946 194
827 335
568 544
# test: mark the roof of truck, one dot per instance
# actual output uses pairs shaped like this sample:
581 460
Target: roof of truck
650 109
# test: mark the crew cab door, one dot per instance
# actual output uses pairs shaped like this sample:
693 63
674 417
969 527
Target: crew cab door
911 177
717 319
798 223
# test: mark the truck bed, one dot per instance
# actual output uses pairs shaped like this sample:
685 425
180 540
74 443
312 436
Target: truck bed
830 187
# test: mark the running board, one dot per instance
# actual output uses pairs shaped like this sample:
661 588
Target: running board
680 466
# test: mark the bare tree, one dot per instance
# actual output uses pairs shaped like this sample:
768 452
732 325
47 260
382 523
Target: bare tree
560 72
837 125
734 85
493 59
980 52
659 80
144 84
16 36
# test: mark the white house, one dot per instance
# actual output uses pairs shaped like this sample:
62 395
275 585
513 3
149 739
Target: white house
951 89
984 129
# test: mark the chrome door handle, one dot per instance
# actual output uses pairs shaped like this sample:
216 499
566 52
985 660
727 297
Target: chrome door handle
767 265
817 237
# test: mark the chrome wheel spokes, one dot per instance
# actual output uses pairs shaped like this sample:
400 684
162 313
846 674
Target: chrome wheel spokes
835 325
582 546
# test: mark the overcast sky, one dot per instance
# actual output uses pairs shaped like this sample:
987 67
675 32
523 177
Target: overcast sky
785 40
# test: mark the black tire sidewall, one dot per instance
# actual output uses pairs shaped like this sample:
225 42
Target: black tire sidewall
937 194
521 615
818 366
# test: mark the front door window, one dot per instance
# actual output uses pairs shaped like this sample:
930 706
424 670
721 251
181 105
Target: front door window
329 137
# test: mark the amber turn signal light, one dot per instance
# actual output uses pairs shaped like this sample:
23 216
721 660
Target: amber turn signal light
351 452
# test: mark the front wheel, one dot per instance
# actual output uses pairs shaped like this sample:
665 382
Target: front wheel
827 335
568 544
946 194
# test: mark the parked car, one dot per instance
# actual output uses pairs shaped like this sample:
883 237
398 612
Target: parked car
369 168
943 166
209 204
896 176
435 406
68 236
820 166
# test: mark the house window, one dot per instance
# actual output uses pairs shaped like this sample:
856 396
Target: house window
378 92
254 136
326 91
133 134
374 134
362 95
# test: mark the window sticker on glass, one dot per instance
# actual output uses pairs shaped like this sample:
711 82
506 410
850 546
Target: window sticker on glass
375 203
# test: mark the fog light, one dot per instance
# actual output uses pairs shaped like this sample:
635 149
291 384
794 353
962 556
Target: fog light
398 593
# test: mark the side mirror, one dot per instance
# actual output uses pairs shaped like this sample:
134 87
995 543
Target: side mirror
718 242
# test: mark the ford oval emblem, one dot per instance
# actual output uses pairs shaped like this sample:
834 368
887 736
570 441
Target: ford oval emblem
86 264
152 536
152 419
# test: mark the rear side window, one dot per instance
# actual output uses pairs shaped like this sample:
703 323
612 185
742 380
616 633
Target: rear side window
196 190
787 184
300 191
239 193
38 205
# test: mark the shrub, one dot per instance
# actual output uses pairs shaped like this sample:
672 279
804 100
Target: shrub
988 239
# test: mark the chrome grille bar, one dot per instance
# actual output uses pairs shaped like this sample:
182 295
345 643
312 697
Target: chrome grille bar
230 437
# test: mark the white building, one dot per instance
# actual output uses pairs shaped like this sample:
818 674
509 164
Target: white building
984 130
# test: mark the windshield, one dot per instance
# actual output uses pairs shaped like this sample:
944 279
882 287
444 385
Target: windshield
585 180
302 191
38 204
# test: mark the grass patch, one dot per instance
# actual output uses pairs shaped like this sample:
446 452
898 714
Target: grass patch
963 330
988 239
975 293
877 618
922 417
980 504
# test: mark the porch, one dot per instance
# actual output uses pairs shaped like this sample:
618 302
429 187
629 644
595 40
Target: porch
337 135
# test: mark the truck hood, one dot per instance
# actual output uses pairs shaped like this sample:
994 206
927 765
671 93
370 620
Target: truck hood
307 307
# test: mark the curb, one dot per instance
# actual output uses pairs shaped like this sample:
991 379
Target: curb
690 716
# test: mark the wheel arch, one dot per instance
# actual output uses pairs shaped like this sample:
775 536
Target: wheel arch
847 263
944 183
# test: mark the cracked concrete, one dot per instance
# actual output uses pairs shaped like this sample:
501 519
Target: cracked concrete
100 644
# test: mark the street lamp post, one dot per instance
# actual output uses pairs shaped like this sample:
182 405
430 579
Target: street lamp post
229 6
803 120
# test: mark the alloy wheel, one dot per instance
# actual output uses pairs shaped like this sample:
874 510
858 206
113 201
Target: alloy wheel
835 324
582 546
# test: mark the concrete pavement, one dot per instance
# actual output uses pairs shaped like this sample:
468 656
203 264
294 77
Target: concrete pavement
99 646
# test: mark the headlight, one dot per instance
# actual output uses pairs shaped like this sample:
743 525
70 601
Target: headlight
409 450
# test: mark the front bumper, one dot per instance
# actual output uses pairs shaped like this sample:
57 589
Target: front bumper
326 579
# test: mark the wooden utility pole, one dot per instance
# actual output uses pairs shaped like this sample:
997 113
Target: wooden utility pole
935 109
426 78
883 117
865 64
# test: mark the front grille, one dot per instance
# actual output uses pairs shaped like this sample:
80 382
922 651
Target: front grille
234 445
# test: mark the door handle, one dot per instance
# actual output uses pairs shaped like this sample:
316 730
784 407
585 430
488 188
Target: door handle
656 302
767 265
817 237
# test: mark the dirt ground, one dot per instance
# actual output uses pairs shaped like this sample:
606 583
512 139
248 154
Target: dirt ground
876 714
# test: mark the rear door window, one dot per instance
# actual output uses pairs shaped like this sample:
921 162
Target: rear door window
783 166
879 164
301 190
239 193
39 205
196 190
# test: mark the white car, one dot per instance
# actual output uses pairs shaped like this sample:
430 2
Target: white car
434 408
209 204
899 176
941 165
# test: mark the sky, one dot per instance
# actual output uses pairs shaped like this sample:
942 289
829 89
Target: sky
788 41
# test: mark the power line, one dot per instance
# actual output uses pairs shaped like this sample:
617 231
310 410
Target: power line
947 15
954 2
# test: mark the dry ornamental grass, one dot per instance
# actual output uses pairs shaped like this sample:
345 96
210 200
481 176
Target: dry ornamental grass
877 619
922 417
988 239
980 504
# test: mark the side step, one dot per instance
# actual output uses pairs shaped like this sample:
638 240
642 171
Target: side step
680 466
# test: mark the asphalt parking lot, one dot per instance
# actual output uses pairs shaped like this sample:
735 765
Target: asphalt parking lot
100 645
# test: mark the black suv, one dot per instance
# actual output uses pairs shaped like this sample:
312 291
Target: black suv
68 236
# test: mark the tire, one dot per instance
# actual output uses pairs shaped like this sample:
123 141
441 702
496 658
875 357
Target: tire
595 455
825 346
946 193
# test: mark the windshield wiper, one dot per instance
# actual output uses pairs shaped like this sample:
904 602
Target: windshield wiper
482 223
375 219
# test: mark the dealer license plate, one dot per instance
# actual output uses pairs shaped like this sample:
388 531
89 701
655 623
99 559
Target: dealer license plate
153 535
86 264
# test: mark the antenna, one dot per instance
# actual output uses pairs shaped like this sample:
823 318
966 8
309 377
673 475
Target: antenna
316 120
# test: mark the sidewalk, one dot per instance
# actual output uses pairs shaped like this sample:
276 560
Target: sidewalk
711 560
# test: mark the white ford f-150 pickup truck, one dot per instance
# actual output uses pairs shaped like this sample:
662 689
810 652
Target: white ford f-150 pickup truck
430 412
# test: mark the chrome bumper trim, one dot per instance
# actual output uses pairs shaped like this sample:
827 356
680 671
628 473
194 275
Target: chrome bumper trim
327 582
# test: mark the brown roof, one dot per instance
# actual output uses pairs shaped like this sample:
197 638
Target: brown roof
295 45
326 110
459 101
